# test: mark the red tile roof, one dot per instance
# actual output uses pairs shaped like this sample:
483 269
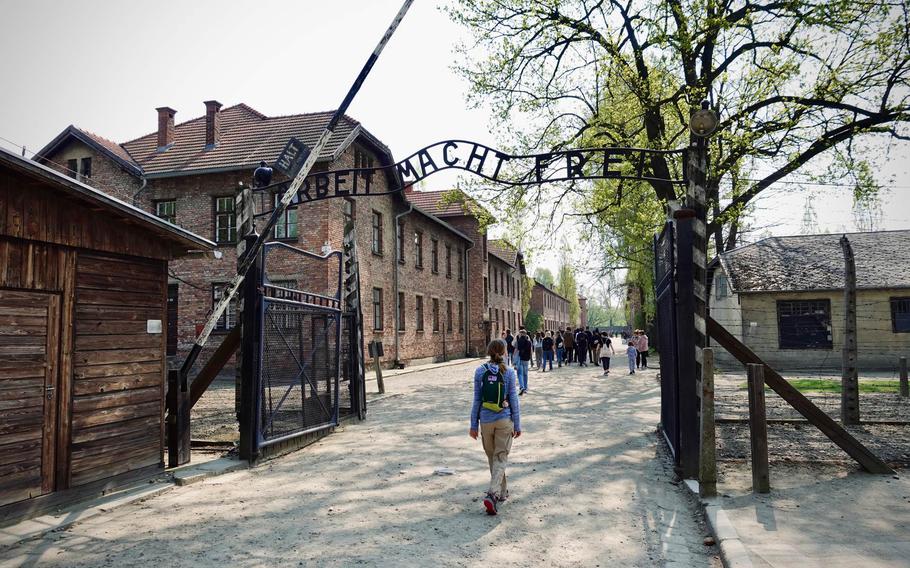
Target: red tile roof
505 250
246 137
433 202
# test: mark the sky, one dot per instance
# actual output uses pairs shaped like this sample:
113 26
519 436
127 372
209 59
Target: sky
106 65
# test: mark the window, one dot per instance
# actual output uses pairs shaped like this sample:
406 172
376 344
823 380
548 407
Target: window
460 265
486 290
286 227
804 324
448 260
401 241
449 316
900 315
229 318
418 249
291 317
377 308
362 158
418 313
167 210
85 170
434 255
401 311
435 314
461 317
721 291
225 220
72 168
377 233
348 211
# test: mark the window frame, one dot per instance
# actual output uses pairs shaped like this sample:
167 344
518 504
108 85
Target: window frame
788 344
82 169
401 241
377 314
418 249
435 308
460 264
461 317
158 202
434 255
894 302
376 232
229 315
401 312
449 316
448 260
418 313
232 218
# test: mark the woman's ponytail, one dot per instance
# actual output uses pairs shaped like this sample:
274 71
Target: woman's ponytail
497 351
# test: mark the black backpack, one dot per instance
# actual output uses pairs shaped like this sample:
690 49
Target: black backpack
493 391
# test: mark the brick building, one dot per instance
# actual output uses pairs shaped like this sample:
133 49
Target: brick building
505 268
416 290
553 308
582 311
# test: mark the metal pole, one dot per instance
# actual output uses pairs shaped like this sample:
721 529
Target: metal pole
288 196
849 398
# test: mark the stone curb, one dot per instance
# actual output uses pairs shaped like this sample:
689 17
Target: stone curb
196 473
39 526
408 370
733 552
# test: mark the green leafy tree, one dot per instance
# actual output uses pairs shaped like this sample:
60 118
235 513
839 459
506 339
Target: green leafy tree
796 83
544 276
567 287
527 284
533 321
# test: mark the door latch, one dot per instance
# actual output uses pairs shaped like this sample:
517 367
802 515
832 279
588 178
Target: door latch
49 392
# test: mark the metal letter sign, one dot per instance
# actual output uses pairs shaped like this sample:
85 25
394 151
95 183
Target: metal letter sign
292 158
496 166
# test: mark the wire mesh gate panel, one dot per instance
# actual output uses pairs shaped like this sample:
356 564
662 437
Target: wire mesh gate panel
665 284
303 377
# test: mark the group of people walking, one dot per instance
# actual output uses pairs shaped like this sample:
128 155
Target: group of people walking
496 411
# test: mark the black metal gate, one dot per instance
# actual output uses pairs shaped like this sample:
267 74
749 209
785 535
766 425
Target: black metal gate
665 290
303 376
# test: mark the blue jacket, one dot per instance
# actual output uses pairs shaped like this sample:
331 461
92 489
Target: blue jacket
481 414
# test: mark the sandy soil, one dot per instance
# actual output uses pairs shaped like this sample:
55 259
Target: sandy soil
591 486
791 442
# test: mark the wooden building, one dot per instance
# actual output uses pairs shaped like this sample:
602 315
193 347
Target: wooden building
83 309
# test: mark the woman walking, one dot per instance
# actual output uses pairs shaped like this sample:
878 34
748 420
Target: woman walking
643 349
581 346
547 350
524 348
568 339
496 413
606 351
538 350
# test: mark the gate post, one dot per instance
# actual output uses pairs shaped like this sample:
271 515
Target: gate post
689 379
251 322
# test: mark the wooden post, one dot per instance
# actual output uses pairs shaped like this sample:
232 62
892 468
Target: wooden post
689 373
849 398
178 419
905 388
758 429
707 471
251 336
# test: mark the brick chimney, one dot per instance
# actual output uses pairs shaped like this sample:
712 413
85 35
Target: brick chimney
165 126
212 123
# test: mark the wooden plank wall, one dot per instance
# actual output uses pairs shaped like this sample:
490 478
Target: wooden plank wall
118 368
33 210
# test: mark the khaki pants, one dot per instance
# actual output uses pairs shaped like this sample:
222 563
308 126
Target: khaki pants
497 441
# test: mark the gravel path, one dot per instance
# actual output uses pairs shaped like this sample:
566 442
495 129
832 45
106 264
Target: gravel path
591 486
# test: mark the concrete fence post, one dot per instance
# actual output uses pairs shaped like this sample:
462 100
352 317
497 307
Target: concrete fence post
905 387
758 429
707 470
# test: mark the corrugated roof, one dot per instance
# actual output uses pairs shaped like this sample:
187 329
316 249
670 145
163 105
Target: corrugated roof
816 262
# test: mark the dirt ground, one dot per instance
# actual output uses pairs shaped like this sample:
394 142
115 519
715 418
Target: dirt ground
803 443
591 485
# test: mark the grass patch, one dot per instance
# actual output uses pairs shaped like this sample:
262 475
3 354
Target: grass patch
834 386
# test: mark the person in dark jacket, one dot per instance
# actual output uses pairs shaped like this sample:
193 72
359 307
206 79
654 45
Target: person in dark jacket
568 339
581 346
547 350
524 347
560 348
510 347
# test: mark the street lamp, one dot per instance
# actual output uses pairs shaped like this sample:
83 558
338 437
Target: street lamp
703 122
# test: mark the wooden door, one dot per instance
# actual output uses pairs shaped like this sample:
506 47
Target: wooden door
29 340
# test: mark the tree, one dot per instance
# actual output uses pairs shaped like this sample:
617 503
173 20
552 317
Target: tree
544 276
795 83
533 321
567 287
